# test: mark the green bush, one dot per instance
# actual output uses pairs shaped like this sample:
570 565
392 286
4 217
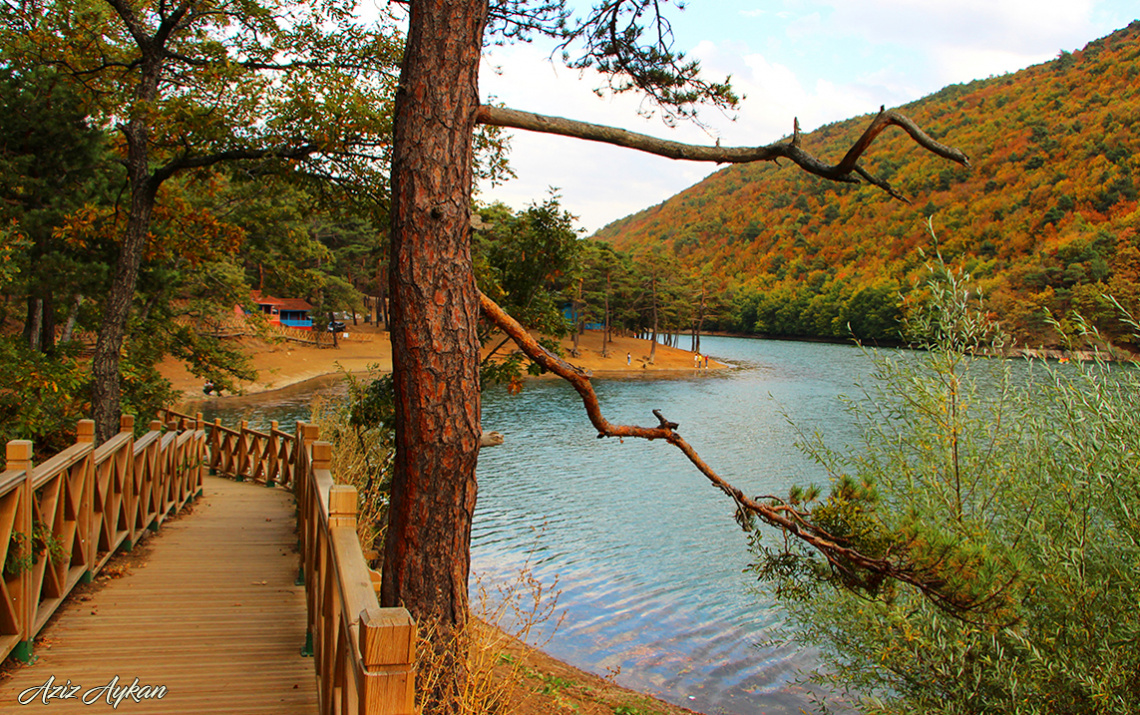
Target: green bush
1020 485
361 430
42 397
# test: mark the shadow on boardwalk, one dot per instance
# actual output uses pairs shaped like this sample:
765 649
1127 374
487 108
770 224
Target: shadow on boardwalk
213 616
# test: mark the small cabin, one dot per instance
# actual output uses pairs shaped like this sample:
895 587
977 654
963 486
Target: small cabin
571 315
292 312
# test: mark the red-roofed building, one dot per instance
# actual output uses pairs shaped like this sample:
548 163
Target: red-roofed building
293 312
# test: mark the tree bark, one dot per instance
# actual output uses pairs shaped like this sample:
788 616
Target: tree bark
72 317
434 312
699 323
653 339
606 334
106 389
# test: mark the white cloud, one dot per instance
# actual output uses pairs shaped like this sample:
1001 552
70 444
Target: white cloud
599 183
967 39
1014 24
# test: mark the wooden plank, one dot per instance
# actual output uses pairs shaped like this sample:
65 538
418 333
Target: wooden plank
213 616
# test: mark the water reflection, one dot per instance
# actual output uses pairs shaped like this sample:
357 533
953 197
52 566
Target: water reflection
286 406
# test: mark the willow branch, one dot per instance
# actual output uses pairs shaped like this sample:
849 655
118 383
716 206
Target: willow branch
846 171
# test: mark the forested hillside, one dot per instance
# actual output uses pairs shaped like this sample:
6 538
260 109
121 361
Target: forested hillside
1046 218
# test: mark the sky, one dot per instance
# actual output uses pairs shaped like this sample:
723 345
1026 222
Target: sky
816 60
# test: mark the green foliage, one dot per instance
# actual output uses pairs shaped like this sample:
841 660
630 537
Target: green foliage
25 552
12 243
52 158
1018 485
362 431
53 163
371 403
300 89
525 261
42 397
634 710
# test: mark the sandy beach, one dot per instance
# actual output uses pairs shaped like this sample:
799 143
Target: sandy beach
281 364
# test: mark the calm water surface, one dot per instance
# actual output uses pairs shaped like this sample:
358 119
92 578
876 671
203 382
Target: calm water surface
645 552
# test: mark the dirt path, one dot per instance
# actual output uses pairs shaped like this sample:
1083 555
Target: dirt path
288 363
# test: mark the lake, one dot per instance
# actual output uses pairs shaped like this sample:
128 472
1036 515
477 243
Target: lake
646 554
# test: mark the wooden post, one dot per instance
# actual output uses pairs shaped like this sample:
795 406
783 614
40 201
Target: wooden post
217 453
306 434
203 467
243 452
160 479
388 651
309 433
19 457
85 434
342 505
127 426
272 470
322 455
85 431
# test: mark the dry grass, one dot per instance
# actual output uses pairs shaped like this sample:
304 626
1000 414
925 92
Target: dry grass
487 676
363 459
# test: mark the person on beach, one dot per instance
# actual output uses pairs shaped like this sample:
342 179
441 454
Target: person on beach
628 357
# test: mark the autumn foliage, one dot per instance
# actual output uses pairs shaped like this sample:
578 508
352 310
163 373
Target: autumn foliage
1045 220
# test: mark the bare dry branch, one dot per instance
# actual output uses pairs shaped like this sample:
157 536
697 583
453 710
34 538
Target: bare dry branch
855 565
846 171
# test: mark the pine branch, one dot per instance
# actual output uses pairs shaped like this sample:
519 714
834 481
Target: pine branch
854 568
846 171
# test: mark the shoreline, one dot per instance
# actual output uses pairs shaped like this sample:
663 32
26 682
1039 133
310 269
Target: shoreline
287 365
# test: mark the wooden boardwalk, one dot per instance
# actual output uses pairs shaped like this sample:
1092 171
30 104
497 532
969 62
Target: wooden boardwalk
213 615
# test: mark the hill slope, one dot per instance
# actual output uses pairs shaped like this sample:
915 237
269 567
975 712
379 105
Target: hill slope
1046 218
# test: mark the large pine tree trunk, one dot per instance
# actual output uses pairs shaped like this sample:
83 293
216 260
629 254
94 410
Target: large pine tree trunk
434 307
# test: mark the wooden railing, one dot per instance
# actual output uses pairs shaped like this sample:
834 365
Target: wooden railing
364 654
247 454
318 337
61 520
